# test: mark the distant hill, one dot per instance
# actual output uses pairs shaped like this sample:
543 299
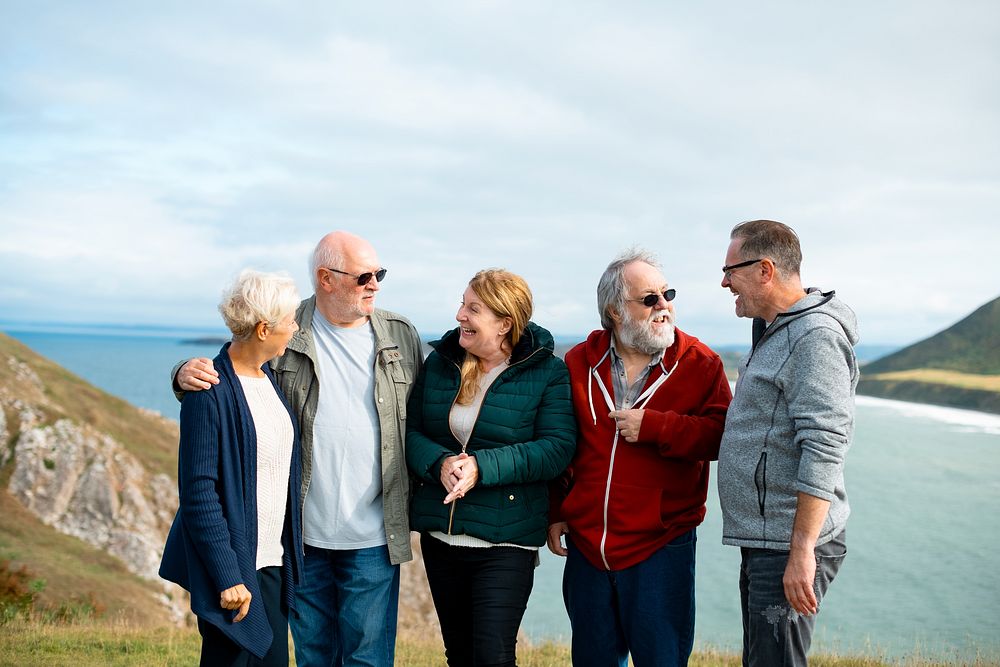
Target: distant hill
969 346
959 367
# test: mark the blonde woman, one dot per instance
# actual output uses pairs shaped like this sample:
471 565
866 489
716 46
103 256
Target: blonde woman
489 424
235 542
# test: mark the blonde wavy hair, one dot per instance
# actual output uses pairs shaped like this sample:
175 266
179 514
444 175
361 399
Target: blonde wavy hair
507 295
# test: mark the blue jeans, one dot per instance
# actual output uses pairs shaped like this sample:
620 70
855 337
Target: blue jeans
347 607
774 634
480 595
646 610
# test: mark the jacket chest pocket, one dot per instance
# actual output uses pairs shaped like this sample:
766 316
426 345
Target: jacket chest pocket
285 371
400 378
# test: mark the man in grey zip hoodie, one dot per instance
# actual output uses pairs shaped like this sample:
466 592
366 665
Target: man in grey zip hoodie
788 429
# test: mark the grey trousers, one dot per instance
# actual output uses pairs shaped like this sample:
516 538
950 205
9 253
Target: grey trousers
774 634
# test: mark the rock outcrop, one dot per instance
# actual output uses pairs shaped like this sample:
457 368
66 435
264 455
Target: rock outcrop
86 484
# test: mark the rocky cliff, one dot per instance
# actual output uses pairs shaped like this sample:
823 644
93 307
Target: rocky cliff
95 468
82 480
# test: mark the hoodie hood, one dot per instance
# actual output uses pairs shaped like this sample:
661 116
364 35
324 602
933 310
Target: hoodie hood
814 302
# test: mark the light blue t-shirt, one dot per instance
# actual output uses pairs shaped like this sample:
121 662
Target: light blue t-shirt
343 507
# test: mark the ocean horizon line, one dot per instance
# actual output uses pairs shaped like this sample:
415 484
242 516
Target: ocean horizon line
865 352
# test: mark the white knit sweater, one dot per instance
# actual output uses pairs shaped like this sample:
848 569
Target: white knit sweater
274 458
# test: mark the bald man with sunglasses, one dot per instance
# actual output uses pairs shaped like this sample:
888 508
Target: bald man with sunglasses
650 404
347 374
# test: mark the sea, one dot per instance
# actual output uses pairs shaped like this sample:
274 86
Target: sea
922 575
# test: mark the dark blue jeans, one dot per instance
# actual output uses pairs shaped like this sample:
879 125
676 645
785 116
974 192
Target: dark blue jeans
646 610
480 595
774 634
347 606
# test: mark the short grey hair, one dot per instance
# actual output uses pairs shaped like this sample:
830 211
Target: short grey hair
257 297
774 240
324 256
611 288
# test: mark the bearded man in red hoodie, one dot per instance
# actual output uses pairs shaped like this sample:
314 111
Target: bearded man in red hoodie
650 405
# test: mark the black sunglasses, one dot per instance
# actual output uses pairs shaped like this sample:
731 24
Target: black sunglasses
364 278
651 300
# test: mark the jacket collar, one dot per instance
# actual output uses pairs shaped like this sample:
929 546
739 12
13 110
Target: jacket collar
534 339
302 340
813 298
599 342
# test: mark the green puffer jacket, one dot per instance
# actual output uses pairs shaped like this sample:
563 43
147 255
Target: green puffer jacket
525 435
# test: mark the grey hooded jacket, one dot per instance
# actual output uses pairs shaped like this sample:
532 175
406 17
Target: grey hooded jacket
790 425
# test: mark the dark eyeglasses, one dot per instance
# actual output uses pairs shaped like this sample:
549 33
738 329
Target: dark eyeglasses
651 300
364 278
727 271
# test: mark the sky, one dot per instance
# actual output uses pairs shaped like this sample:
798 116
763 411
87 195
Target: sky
149 151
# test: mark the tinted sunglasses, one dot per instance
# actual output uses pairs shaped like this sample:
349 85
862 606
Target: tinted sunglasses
364 278
651 300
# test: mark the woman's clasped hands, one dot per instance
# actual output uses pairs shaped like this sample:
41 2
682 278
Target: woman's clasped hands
458 475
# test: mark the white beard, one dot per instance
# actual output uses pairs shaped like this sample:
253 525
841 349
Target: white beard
640 335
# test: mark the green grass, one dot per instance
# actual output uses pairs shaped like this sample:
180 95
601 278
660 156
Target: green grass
71 568
30 644
81 645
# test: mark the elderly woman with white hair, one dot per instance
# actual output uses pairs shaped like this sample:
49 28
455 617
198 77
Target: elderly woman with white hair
235 541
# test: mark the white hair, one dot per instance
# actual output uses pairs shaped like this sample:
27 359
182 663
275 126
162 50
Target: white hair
257 297
324 256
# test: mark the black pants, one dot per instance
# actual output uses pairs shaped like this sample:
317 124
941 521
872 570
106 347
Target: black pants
218 650
480 595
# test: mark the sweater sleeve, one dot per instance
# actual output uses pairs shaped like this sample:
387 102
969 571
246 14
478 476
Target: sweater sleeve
695 434
198 472
545 456
174 387
818 381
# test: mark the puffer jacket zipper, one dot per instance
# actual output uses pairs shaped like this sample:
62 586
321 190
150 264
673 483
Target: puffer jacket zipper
454 503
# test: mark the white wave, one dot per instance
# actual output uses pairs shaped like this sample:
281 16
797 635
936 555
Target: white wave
969 421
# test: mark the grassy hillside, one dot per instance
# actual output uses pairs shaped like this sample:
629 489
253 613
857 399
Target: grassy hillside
969 346
152 439
65 575
959 367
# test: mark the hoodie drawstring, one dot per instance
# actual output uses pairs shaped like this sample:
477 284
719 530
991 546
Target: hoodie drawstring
640 403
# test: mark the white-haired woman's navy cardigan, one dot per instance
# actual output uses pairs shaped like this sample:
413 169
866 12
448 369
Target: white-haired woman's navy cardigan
212 543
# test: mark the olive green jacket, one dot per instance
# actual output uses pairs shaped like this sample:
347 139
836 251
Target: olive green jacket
398 358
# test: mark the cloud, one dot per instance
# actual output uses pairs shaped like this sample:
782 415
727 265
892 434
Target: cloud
147 153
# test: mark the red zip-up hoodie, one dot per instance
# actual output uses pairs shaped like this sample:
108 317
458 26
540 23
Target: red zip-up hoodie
622 500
